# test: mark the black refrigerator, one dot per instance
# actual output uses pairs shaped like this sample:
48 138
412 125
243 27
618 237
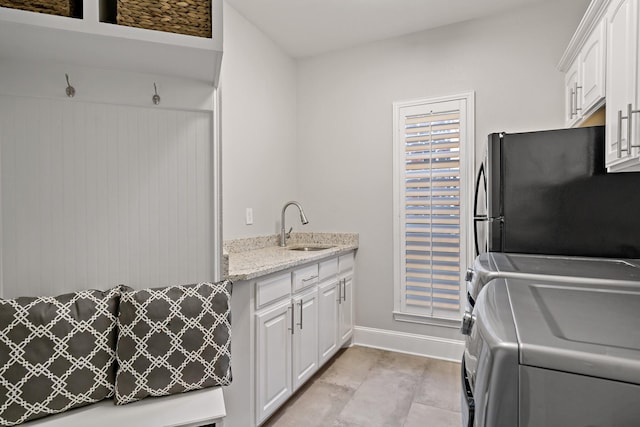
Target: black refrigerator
548 192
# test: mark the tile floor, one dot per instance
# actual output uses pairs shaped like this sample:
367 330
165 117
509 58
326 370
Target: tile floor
368 387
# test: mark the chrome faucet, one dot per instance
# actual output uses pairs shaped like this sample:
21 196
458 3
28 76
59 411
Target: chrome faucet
284 235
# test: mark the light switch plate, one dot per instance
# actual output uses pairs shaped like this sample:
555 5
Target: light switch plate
249 216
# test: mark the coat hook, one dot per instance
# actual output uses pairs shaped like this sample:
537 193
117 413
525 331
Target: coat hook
70 90
156 97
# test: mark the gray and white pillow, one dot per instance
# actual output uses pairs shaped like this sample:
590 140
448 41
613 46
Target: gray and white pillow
172 340
56 353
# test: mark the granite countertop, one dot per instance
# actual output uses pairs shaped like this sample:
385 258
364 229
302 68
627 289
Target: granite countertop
254 257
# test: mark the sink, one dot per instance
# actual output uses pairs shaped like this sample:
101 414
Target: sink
309 248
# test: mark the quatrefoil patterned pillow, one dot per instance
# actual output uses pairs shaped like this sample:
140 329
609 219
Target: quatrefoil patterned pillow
173 340
56 353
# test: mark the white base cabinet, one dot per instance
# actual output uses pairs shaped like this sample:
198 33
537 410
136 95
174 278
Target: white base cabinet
287 349
298 319
345 306
346 310
328 300
305 337
273 345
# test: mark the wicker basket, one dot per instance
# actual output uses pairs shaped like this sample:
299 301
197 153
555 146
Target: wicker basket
53 7
191 17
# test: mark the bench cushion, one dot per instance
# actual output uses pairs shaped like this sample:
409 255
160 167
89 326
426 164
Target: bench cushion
56 353
172 340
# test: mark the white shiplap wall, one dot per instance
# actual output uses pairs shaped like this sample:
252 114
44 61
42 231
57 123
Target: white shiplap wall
93 195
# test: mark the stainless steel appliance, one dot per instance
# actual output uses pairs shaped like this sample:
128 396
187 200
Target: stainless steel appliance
548 193
491 265
549 354
541 320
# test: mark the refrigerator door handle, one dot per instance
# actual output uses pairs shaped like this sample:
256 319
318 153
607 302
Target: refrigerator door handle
479 218
481 175
475 233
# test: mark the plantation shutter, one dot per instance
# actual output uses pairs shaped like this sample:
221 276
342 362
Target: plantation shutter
431 213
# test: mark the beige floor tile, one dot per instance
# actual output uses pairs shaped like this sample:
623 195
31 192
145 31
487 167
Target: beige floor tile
316 405
405 363
366 387
383 399
440 386
341 423
351 367
427 416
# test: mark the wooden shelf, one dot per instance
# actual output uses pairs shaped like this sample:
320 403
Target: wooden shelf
89 42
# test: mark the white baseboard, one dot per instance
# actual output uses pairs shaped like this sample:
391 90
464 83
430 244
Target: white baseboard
421 345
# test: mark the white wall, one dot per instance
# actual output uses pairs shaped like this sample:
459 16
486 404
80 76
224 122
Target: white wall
94 195
345 117
103 188
258 91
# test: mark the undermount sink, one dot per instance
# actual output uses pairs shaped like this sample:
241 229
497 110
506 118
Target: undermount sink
309 248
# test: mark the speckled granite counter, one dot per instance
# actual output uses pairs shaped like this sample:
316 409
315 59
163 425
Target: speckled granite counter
253 257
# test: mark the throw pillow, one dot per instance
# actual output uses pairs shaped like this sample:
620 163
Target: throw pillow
56 353
173 340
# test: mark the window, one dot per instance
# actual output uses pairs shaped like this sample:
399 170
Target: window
433 164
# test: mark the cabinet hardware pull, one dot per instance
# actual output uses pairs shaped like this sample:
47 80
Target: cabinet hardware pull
629 119
629 129
630 113
620 133
576 95
571 113
344 289
300 324
310 278
292 307
340 291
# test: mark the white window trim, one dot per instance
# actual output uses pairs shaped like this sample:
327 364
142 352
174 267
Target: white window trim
467 165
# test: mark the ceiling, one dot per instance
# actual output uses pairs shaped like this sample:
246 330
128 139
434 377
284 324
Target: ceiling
309 27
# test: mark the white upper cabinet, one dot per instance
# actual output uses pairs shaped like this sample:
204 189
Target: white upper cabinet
592 71
95 40
572 85
623 106
607 35
584 66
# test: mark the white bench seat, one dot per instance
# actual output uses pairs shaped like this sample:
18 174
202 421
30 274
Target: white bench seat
191 409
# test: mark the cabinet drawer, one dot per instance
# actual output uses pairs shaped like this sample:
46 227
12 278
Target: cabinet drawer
345 262
327 269
273 288
305 276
